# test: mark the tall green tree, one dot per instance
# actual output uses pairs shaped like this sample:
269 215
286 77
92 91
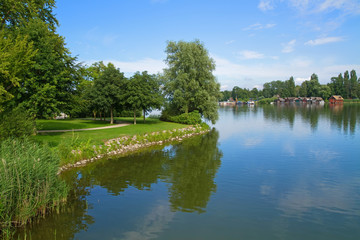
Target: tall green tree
303 89
191 84
143 92
50 82
108 90
346 93
354 85
16 54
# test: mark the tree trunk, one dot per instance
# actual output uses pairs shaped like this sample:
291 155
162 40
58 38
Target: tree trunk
100 116
186 109
94 112
144 115
111 116
134 116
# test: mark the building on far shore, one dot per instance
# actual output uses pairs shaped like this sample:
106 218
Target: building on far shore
336 99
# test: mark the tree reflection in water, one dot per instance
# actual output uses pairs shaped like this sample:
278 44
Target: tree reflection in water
188 168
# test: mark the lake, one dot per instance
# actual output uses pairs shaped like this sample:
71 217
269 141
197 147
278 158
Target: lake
272 172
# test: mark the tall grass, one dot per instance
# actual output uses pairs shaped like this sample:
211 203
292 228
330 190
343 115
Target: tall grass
29 185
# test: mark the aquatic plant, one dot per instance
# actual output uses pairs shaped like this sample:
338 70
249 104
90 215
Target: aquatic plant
29 185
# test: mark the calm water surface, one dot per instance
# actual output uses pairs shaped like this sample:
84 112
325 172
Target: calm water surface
274 172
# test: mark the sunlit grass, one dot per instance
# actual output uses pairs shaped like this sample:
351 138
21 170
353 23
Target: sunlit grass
99 136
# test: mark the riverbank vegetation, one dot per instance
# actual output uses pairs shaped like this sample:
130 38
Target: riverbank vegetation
40 79
347 85
29 186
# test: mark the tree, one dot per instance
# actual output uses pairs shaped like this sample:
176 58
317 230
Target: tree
303 89
313 86
354 86
346 93
16 54
191 84
143 92
290 85
51 80
108 90
225 95
324 91
17 13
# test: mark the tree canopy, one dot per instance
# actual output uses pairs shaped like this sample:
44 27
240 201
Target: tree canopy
143 92
190 83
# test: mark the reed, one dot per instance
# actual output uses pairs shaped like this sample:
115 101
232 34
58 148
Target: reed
29 185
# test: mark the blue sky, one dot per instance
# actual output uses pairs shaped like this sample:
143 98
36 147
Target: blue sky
252 42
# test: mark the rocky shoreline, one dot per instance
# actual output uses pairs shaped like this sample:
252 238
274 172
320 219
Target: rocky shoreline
126 145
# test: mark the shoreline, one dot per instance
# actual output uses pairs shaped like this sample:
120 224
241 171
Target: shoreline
128 144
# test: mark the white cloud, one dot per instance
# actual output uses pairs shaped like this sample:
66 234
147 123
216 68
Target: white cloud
289 47
230 42
247 75
259 26
299 80
246 54
224 87
349 6
321 41
153 66
265 5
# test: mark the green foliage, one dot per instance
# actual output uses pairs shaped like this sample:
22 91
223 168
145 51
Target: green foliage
281 88
107 91
143 92
346 86
16 13
29 185
129 113
225 95
16 123
191 118
74 149
52 79
190 83
16 54
267 100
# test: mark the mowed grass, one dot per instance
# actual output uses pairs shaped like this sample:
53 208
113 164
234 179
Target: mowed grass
69 124
99 136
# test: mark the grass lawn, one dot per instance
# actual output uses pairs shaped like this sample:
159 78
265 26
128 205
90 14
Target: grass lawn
99 136
68 124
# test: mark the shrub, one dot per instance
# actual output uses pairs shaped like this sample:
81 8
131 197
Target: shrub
16 123
267 100
191 118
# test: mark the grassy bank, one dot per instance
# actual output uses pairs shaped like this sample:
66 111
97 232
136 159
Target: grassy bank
81 154
100 136
29 186
68 124
351 100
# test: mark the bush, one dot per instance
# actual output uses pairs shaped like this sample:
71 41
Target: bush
267 100
16 123
191 118
29 185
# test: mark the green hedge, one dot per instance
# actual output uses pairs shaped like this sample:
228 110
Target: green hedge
191 118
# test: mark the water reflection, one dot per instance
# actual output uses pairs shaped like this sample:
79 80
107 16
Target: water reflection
345 117
191 172
187 169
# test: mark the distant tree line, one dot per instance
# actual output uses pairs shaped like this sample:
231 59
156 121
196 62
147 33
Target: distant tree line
347 85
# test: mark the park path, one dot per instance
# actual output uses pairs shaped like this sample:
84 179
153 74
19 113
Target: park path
84 129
